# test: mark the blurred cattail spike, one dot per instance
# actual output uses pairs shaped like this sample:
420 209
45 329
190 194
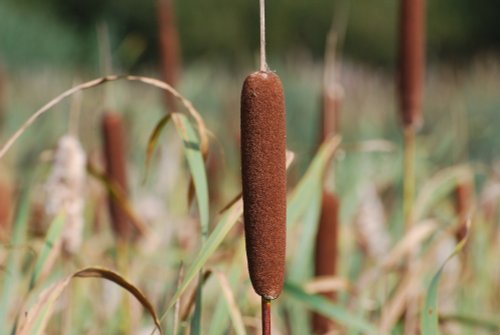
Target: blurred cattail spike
326 254
411 61
114 150
463 205
169 47
6 205
65 188
263 150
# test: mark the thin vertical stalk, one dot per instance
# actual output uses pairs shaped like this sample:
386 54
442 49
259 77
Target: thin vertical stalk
266 316
408 176
262 15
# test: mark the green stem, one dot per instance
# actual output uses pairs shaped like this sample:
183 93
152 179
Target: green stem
408 176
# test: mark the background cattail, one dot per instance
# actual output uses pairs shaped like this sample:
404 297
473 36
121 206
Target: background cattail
64 190
114 151
169 47
411 58
326 253
6 205
463 202
263 150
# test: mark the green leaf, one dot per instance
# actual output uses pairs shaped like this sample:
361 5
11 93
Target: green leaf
323 306
429 320
300 199
196 166
225 224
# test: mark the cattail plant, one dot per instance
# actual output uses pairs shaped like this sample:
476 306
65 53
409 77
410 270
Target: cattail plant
114 150
411 70
326 246
169 47
326 253
6 205
463 203
65 188
263 163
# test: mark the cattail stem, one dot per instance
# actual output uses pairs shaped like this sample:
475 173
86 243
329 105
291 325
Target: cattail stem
266 316
262 15
408 175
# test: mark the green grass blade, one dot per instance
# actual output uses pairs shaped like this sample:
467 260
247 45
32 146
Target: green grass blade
225 224
429 319
11 270
196 319
51 240
196 166
298 202
323 306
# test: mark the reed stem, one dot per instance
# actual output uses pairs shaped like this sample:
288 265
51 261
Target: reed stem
266 316
409 176
262 15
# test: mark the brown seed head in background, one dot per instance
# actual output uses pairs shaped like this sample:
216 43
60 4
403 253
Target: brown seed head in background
463 203
169 48
6 206
114 150
326 253
263 150
411 61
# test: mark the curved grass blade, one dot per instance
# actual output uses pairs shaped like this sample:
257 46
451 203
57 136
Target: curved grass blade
429 320
323 306
34 320
153 141
438 187
52 240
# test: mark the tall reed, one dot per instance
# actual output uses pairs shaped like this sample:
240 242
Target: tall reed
263 164
169 47
116 170
411 71
326 253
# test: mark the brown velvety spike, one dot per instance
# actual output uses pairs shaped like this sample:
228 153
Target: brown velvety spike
263 153
169 47
114 150
411 58
6 205
326 253
463 194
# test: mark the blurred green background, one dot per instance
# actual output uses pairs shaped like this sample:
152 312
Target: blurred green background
64 31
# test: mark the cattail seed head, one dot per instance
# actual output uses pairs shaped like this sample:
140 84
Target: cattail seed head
65 188
263 150
463 202
169 47
411 58
114 150
326 253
